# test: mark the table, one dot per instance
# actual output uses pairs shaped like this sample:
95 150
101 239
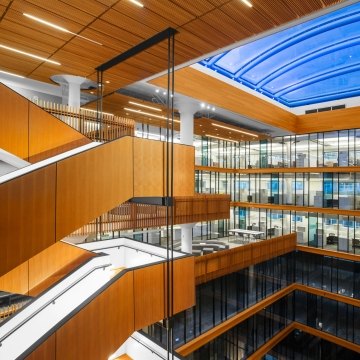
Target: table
255 234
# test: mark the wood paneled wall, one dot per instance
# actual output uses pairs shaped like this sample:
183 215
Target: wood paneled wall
31 133
184 169
27 216
148 180
187 209
46 205
14 123
207 207
341 119
224 262
134 300
91 183
42 266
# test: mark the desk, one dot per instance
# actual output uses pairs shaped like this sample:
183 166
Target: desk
255 234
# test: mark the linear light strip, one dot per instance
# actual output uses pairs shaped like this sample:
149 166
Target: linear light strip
138 111
220 138
235 130
57 27
11 74
144 106
29 54
248 3
138 3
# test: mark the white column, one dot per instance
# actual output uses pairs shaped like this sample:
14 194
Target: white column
71 86
186 237
187 111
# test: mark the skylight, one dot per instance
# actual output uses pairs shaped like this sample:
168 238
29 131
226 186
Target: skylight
312 62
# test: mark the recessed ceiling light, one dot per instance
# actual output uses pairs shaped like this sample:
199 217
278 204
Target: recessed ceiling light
157 90
248 3
29 54
138 3
236 130
202 105
57 27
11 74
138 111
144 106
107 82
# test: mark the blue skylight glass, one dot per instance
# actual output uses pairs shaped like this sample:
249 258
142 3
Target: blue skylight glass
312 62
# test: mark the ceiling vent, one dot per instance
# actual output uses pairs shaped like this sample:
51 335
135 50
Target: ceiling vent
329 108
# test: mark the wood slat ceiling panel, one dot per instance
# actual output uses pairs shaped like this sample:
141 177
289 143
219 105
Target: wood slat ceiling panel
218 2
17 64
19 41
130 25
199 45
302 8
70 59
93 8
196 8
247 17
208 33
282 13
19 8
169 11
115 33
95 52
41 37
5 2
220 20
2 10
145 16
56 8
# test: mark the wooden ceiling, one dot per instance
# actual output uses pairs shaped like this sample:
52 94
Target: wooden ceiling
198 85
204 26
116 104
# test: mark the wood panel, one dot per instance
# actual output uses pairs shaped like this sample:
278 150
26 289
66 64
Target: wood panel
224 262
90 183
184 284
27 216
53 259
49 136
326 252
326 336
148 177
14 123
207 207
109 317
46 351
328 295
16 280
149 295
196 84
270 344
341 119
184 168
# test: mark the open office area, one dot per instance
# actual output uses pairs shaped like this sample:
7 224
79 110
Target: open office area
179 180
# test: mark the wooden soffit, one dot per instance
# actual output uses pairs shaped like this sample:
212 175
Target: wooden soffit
198 85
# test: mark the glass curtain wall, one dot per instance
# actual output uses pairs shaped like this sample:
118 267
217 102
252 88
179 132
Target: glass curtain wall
329 149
